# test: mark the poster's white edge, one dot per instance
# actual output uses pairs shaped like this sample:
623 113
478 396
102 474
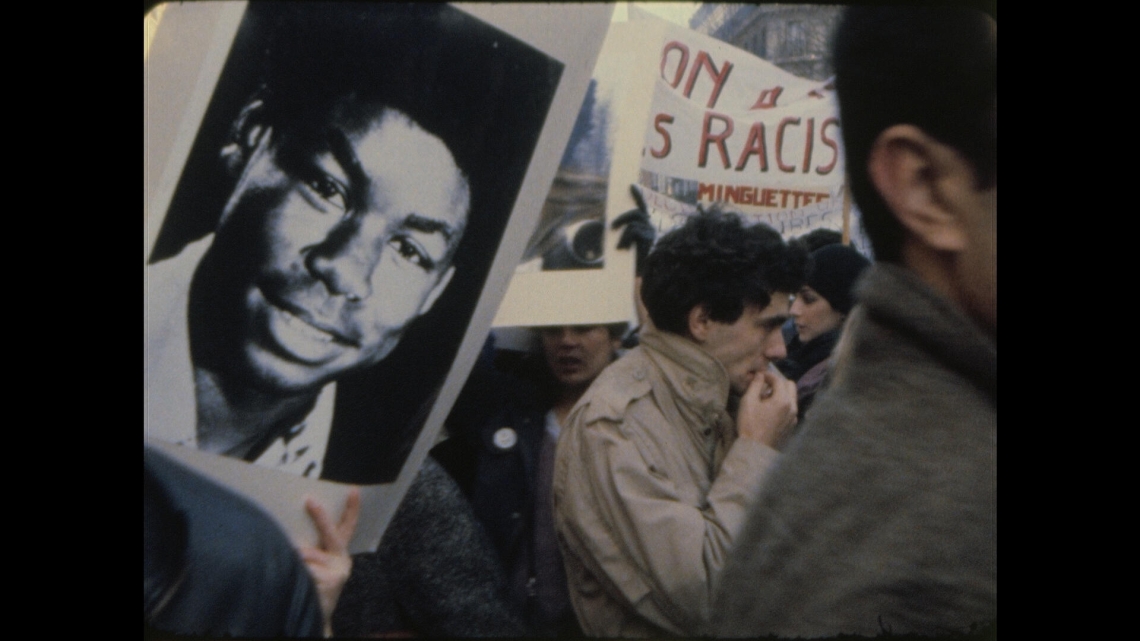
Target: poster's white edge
578 297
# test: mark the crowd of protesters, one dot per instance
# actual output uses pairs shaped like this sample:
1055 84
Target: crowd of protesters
798 442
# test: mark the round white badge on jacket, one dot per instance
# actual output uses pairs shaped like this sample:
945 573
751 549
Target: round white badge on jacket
505 438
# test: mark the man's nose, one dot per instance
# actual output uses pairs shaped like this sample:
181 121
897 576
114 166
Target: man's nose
774 347
567 336
345 260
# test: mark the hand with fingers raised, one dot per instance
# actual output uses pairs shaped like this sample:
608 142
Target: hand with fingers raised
329 562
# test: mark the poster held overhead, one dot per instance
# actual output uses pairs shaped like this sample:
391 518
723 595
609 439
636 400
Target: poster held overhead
326 261
621 101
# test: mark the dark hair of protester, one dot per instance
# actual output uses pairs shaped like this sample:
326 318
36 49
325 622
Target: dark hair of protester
715 260
532 366
819 315
932 67
617 330
835 268
817 238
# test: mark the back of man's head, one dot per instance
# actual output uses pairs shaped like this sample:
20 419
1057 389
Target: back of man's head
715 260
934 68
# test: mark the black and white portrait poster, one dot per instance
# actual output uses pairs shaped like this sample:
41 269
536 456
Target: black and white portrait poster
337 195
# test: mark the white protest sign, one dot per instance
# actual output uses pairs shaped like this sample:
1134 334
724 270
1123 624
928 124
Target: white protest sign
728 127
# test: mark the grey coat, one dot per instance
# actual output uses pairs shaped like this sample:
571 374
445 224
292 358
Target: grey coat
881 516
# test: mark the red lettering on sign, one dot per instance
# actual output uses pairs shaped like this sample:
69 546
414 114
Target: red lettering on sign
668 142
807 144
675 46
707 138
767 99
780 145
703 61
826 169
757 145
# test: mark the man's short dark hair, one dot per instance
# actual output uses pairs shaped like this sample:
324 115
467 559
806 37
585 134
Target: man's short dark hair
817 238
617 330
715 260
935 68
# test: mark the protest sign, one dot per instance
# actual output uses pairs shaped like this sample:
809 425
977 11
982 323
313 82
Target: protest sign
694 121
602 294
336 195
728 128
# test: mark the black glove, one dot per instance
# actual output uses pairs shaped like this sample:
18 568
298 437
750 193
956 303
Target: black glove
638 228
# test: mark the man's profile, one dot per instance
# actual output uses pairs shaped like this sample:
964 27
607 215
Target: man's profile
360 182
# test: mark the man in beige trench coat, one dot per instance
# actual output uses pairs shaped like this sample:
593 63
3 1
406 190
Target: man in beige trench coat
662 456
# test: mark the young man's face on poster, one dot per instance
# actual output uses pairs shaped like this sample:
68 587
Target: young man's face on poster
331 244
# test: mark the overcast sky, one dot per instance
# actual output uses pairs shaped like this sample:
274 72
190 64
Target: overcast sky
675 12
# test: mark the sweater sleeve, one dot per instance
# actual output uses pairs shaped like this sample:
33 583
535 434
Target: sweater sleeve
434 573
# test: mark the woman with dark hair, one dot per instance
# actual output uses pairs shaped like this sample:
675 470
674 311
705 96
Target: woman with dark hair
819 310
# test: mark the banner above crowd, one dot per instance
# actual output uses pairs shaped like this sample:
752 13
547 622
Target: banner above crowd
727 127
694 121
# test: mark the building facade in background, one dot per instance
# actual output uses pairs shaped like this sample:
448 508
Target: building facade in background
794 37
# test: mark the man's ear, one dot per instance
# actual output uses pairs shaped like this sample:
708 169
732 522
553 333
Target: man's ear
699 323
923 182
245 133
433 295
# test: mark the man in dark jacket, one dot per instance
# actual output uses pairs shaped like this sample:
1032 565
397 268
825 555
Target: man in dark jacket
216 565
504 429
882 514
